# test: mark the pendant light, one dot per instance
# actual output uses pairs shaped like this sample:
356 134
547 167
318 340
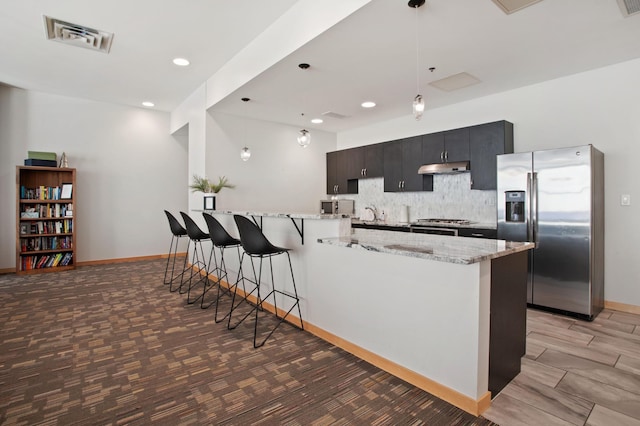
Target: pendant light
418 101
304 138
245 153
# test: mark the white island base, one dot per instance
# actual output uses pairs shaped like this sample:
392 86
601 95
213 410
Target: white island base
427 309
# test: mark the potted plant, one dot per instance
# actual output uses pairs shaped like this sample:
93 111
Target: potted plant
204 185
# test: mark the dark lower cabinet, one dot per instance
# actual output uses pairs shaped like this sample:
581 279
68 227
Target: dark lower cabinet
508 319
486 142
487 233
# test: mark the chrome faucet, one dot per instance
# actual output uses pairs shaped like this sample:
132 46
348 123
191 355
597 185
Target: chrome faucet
374 211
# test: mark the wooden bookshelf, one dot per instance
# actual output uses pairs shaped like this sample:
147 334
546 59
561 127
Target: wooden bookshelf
45 219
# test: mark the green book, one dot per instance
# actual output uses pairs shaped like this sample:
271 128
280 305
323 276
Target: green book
41 155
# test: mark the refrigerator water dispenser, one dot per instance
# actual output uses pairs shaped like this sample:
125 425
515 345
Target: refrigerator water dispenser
514 206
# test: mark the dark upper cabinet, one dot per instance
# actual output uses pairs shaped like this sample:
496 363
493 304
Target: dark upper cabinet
411 162
365 161
446 147
399 161
402 159
392 167
456 145
373 160
486 142
337 179
355 162
433 148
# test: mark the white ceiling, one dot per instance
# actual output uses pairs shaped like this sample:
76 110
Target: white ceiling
370 55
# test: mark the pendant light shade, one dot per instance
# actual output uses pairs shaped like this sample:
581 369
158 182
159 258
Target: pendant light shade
245 154
418 107
304 138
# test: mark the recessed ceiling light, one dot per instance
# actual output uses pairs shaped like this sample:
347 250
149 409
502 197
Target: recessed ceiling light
181 62
368 104
148 104
317 121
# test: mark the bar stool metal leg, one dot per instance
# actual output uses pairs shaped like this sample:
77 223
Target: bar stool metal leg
198 260
177 232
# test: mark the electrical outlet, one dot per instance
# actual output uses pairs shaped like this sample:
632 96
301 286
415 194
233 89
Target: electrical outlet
625 200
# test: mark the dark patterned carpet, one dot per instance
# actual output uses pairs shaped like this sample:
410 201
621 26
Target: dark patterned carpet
110 345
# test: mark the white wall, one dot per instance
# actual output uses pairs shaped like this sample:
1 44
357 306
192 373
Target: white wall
129 169
280 176
599 107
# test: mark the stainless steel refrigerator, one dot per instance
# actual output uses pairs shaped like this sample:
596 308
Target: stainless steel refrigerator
555 198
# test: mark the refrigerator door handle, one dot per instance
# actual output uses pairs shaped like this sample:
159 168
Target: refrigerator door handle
534 207
529 209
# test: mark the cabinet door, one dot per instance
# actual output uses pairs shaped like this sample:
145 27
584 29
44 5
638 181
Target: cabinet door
433 148
478 233
355 162
486 142
392 166
342 170
337 172
411 162
373 160
456 145
332 171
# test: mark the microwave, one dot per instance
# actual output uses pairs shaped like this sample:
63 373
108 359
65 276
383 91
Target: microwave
337 207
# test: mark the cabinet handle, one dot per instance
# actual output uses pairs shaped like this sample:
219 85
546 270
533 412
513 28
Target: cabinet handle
365 172
442 156
446 156
402 184
399 184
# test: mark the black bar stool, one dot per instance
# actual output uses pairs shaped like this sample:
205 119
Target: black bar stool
221 240
198 260
256 245
177 232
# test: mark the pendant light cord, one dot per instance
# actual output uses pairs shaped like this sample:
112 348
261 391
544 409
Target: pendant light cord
417 55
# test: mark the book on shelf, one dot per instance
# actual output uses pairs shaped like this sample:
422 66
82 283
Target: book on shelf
42 155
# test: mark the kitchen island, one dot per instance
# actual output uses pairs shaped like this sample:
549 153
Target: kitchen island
446 314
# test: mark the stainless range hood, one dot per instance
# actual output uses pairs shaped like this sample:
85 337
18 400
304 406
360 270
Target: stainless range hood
444 168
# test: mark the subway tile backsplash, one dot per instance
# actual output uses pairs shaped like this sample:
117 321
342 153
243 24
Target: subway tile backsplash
451 198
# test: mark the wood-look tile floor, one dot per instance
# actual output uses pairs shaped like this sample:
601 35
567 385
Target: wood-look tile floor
575 373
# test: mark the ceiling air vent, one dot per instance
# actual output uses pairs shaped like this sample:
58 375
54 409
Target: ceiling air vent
335 115
629 7
455 82
77 35
510 6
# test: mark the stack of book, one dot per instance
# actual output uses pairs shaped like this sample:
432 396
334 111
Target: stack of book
39 158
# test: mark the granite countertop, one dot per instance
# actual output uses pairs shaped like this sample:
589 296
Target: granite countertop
442 248
282 215
406 225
